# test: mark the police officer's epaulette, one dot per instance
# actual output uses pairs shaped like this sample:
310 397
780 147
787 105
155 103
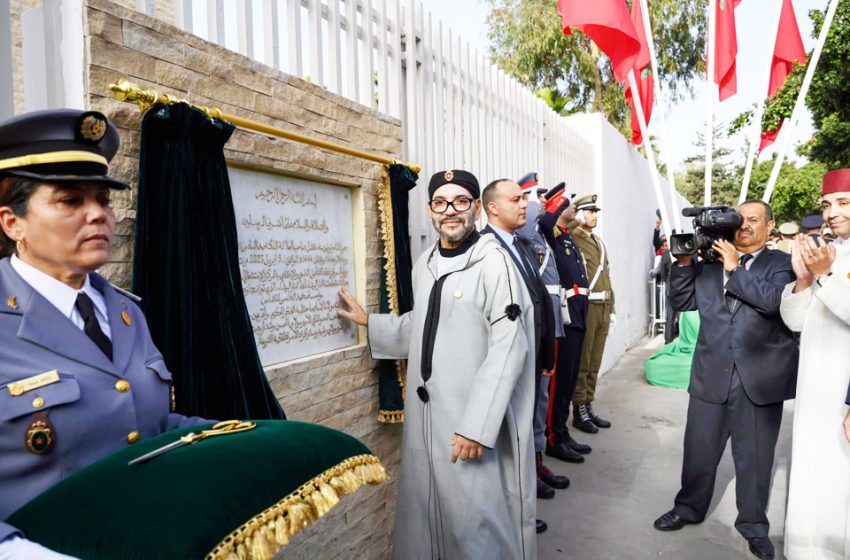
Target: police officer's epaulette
130 295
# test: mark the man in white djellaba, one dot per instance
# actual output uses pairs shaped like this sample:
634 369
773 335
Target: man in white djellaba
469 342
817 524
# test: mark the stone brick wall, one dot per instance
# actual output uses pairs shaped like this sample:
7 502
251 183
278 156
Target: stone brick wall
338 389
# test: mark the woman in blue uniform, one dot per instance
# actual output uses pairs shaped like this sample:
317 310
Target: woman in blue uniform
80 376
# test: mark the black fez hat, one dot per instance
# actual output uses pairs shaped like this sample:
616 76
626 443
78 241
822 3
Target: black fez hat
457 177
59 146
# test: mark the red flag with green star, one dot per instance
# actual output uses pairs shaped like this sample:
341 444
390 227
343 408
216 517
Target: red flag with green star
643 76
725 48
788 50
608 24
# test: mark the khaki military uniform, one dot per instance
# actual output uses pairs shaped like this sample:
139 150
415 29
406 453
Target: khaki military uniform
598 317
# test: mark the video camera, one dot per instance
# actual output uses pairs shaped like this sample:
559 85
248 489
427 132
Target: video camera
710 224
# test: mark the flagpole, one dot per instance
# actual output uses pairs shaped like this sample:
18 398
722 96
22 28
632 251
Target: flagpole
755 134
661 113
791 123
709 121
650 155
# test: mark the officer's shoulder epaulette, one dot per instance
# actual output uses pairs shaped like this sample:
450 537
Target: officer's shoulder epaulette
124 292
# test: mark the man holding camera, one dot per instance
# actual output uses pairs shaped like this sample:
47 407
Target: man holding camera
744 367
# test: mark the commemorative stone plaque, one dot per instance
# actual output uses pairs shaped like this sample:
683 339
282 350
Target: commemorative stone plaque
296 250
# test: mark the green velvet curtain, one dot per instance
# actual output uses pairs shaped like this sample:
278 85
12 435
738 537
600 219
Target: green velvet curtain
396 282
186 268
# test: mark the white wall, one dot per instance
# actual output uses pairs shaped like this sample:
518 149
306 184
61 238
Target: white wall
620 176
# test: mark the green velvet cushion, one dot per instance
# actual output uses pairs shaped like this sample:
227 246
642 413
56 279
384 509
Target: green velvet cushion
184 503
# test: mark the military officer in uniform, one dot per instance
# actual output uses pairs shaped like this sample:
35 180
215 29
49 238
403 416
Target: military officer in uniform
600 316
787 230
572 290
531 235
81 377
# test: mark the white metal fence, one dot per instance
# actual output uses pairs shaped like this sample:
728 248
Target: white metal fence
458 109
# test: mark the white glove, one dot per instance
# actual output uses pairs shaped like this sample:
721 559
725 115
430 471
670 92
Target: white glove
580 217
613 323
17 548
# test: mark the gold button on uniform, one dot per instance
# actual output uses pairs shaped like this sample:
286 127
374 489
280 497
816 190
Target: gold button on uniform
37 402
122 386
133 437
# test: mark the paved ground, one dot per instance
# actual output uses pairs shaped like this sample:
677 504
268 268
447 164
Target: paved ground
632 477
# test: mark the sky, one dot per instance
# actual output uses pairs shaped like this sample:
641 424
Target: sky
686 119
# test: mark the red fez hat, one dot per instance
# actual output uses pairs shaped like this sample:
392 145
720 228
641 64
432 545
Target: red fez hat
836 181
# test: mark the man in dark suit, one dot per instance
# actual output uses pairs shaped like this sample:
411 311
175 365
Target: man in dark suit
744 367
505 204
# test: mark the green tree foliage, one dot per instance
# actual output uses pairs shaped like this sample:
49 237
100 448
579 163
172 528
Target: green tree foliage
569 72
797 192
828 99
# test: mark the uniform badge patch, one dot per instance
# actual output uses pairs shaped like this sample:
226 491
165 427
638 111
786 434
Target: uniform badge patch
126 318
12 302
92 127
448 176
40 436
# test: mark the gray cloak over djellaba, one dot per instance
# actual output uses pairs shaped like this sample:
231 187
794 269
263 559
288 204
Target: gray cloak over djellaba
476 331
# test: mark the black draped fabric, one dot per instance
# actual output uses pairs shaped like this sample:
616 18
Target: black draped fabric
186 268
390 382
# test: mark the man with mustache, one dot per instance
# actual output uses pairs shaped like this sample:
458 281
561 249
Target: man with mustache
744 367
469 342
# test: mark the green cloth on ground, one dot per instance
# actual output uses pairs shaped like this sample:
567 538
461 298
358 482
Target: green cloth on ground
671 365
181 504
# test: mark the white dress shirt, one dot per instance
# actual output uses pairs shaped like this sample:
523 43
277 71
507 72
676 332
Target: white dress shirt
62 296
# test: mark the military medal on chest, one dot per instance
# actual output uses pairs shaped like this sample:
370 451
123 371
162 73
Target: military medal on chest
40 435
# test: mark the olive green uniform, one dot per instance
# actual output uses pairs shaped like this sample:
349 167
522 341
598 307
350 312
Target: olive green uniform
598 316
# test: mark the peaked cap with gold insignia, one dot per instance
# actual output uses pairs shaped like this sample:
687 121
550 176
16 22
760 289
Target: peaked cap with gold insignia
59 146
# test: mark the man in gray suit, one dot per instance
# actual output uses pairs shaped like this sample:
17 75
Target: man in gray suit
744 367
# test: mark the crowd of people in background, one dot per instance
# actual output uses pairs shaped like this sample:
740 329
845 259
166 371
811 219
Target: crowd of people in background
508 330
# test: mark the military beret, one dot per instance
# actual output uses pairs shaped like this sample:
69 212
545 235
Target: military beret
587 202
836 181
457 177
789 228
59 146
812 222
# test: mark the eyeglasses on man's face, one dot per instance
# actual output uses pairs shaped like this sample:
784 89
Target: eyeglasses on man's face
440 205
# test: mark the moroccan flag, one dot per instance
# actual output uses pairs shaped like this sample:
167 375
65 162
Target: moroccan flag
608 24
725 48
788 50
643 76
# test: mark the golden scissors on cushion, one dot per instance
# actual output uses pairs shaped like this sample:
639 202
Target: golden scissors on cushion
218 429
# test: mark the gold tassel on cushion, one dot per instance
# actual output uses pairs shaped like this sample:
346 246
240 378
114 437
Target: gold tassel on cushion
262 536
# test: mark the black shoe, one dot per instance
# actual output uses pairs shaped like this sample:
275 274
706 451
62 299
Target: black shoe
670 521
595 419
582 421
761 547
576 446
547 476
544 491
541 526
564 452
